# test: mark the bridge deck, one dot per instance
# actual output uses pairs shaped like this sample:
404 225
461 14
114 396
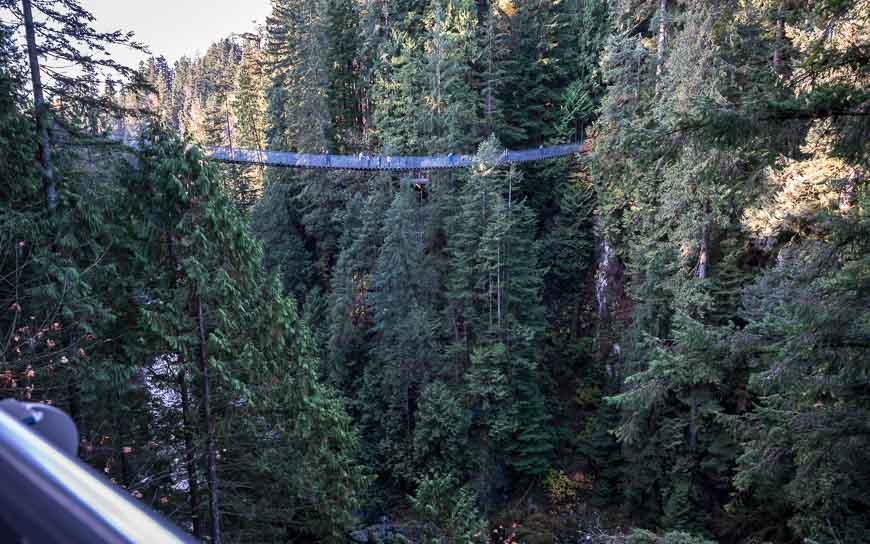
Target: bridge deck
378 162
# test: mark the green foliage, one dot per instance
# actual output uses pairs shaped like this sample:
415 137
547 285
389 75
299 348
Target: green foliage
685 149
350 314
23 227
495 275
805 324
679 317
278 226
590 26
441 436
640 536
403 345
64 289
563 490
18 145
535 73
262 354
448 511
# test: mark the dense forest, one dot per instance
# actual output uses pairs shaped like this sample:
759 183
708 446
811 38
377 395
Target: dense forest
664 339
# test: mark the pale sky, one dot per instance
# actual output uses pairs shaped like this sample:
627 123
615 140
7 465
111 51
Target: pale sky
174 28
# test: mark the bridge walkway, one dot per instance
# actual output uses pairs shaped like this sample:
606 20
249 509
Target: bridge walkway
288 159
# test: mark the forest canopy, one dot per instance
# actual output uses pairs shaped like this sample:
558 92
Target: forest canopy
663 339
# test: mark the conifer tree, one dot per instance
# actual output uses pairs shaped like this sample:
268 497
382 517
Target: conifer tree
249 111
495 305
350 305
531 93
676 320
63 292
448 511
65 35
208 305
800 337
346 90
450 124
401 354
490 74
441 433
299 119
399 121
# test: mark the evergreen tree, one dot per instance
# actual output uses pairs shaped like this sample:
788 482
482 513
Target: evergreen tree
450 125
403 338
399 121
675 321
448 511
66 36
345 89
299 119
441 433
350 307
249 111
494 304
211 293
535 74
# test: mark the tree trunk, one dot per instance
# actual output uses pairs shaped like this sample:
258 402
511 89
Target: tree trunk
40 109
498 287
848 193
489 84
693 422
489 297
227 120
186 418
210 457
125 468
661 41
704 254
779 40
701 273
706 241
75 405
189 457
602 280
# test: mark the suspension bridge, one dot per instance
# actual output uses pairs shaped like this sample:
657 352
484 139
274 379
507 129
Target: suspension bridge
286 159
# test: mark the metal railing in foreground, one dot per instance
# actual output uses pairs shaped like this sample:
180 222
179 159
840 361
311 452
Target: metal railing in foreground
48 496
